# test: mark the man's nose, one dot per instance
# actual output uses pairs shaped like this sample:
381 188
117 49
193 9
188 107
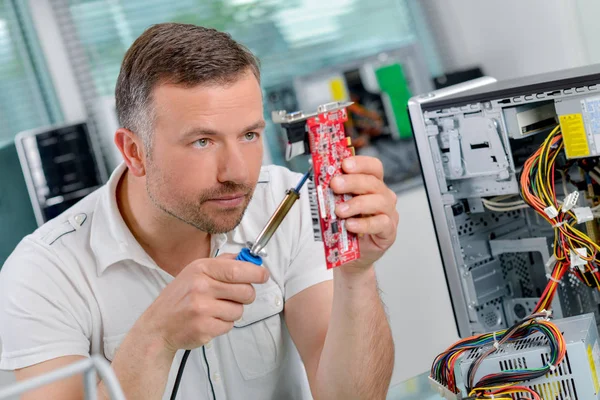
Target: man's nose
232 165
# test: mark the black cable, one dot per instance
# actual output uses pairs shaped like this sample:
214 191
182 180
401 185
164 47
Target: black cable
212 389
179 374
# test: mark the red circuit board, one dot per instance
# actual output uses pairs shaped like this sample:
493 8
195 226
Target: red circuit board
329 146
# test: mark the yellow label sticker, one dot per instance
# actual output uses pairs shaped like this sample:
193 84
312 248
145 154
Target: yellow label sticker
593 367
338 89
573 131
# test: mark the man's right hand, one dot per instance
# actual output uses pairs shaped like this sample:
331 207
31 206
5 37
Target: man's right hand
202 302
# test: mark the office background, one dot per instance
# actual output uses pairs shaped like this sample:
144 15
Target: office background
59 60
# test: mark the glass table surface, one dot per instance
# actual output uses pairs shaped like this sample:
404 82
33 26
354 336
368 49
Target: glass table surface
415 388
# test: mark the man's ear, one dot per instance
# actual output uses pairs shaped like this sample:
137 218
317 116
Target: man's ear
131 147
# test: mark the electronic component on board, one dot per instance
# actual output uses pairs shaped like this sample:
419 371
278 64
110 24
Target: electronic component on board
324 136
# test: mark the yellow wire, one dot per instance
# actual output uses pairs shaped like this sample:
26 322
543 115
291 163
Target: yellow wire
541 166
543 157
489 388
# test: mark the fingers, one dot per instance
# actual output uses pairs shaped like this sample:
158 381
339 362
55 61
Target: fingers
228 311
381 225
231 271
215 327
363 165
357 184
227 256
238 292
368 204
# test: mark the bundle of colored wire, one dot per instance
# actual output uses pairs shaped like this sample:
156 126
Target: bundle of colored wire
507 393
560 270
558 349
443 368
537 183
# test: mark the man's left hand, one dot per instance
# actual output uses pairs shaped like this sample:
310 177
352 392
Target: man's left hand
371 213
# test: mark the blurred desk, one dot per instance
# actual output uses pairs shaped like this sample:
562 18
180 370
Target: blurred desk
415 388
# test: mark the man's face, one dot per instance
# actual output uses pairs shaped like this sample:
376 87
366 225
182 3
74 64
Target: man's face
206 152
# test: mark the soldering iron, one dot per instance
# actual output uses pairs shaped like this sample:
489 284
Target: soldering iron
252 253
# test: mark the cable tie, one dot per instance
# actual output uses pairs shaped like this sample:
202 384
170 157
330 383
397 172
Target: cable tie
558 224
548 313
552 367
594 270
496 343
550 277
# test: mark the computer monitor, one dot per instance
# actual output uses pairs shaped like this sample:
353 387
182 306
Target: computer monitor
61 165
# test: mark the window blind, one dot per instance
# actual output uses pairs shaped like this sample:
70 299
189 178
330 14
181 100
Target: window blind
291 37
26 100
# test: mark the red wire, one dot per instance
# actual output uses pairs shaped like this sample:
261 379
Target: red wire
521 388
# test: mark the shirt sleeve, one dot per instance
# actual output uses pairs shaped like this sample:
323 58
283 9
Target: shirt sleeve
307 266
42 314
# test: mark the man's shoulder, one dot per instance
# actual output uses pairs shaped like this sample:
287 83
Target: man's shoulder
68 230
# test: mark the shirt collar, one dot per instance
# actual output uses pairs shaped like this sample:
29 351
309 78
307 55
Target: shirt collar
112 241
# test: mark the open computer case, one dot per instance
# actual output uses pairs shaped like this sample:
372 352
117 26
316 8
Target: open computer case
473 140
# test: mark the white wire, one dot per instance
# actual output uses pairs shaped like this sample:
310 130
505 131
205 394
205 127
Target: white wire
502 204
595 176
505 209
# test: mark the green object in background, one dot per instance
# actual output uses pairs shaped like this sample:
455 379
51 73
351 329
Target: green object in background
392 82
16 212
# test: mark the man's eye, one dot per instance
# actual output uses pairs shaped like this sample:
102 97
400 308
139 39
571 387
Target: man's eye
201 143
251 136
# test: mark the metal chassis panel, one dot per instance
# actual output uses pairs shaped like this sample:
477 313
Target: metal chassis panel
436 200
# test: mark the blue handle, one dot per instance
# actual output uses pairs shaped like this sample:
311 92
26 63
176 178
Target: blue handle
245 255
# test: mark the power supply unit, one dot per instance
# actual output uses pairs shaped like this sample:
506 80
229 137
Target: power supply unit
577 377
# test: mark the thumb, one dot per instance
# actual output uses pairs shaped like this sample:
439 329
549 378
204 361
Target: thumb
228 256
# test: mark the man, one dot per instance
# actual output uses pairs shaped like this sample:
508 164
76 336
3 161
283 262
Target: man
144 268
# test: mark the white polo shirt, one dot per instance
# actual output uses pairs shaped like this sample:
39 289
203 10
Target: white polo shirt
78 284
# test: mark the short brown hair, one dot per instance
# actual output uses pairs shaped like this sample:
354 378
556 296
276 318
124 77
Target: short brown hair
179 54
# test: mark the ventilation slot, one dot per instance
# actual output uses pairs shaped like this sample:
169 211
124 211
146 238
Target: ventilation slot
474 354
517 363
561 388
563 369
533 341
557 390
